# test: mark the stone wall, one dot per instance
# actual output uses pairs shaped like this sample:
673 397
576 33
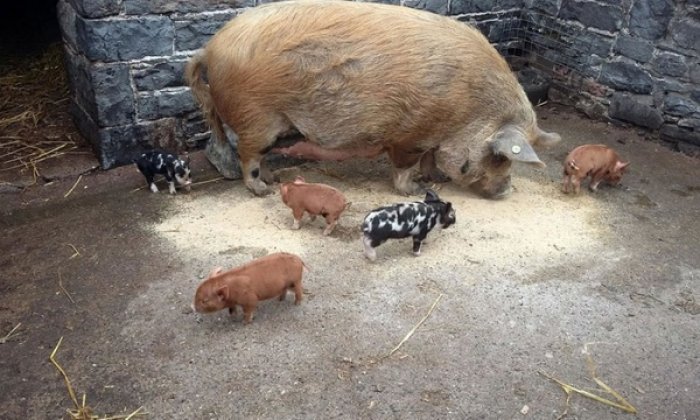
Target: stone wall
125 60
643 62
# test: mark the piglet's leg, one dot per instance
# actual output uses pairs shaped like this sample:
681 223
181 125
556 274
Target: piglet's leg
248 313
298 215
331 225
595 180
577 184
232 311
283 295
297 292
370 253
565 184
417 242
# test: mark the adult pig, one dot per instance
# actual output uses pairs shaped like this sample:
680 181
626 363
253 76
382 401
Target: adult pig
360 79
260 279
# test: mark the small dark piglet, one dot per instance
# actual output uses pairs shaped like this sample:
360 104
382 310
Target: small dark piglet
158 162
415 219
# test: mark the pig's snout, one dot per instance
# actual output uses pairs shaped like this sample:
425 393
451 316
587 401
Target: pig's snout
494 188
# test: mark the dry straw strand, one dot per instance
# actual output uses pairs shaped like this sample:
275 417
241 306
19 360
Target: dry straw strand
413 330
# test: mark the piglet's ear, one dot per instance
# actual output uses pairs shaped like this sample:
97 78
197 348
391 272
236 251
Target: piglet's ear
215 271
431 197
222 293
299 179
621 165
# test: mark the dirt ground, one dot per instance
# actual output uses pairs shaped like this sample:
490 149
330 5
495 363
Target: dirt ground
525 285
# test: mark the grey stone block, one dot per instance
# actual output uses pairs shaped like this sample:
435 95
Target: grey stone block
669 85
678 105
140 7
635 48
67 21
102 90
96 8
154 105
695 95
80 82
626 76
155 76
435 6
192 35
693 123
591 43
595 15
126 39
649 18
670 64
114 98
116 146
673 132
223 155
695 73
458 7
625 108
550 7
686 33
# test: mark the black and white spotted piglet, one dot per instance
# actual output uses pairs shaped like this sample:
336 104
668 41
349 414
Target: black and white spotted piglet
158 162
415 219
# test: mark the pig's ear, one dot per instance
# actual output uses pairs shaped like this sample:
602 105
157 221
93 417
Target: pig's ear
222 293
543 138
512 144
215 271
431 197
621 165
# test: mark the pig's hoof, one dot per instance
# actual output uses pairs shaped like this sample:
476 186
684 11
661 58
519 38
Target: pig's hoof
416 253
259 188
413 188
296 225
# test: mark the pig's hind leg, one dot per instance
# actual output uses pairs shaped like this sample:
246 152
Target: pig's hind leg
298 214
254 141
149 175
596 178
405 166
297 291
331 221
369 247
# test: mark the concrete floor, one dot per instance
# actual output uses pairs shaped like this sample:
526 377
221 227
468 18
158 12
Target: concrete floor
527 284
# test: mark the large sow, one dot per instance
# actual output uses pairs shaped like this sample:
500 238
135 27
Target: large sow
360 79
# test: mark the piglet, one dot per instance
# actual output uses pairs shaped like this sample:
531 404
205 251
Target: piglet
598 161
159 162
314 199
260 279
415 219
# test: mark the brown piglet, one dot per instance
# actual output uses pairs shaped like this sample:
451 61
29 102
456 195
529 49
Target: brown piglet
260 279
598 161
315 199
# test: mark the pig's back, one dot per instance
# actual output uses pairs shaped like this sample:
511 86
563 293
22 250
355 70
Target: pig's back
591 156
354 72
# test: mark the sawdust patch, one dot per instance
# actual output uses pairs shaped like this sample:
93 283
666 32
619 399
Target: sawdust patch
534 227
